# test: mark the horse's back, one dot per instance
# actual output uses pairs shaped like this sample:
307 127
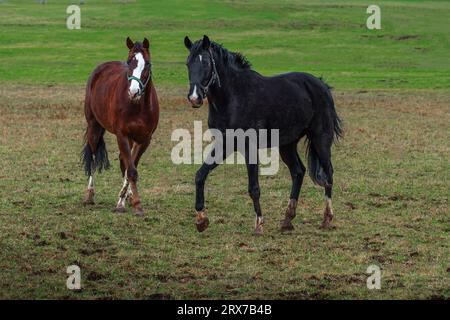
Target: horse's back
107 71
104 79
289 102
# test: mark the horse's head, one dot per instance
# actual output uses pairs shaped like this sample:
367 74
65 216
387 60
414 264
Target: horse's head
201 68
139 67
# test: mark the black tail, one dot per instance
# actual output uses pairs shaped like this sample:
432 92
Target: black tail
97 161
337 122
315 168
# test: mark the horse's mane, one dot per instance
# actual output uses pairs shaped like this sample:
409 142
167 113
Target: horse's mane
234 60
138 46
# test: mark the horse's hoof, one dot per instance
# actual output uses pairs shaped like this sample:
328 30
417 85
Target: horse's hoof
287 225
88 202
89 197
119 210
139 213
202 221
202 224
259 221
326 225
327 218
258 231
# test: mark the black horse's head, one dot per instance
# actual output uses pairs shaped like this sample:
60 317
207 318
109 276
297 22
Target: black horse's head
201 68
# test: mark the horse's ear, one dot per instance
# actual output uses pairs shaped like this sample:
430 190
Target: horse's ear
130 43
146 43
206 42
187 42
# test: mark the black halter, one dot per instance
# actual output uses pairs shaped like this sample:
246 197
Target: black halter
214 76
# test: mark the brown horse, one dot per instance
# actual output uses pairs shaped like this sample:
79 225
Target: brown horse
120 98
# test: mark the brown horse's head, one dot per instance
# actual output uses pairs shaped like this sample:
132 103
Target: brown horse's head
139 67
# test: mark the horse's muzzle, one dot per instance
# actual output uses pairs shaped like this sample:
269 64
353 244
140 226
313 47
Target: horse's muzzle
134 96
196 103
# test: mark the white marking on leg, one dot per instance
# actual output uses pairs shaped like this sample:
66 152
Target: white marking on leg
91 183
123 192
328 205
129 192
259 225
259 221
124 185
200 57
121 203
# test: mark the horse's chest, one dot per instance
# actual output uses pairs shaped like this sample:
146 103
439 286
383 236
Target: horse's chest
138 129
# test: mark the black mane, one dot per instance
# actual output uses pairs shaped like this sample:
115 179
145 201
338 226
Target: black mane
234 60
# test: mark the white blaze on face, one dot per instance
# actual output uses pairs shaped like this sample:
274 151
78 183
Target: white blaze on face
137 72
194 95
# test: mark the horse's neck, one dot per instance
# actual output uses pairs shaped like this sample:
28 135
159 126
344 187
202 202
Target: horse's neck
223 90
148 93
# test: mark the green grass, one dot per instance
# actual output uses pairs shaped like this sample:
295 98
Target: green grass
391 169
323 37
390 200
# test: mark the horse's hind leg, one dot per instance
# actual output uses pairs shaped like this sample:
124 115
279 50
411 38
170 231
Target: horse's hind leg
94 133
291 158
322 147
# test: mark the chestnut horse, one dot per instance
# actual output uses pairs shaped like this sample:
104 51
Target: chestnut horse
120 98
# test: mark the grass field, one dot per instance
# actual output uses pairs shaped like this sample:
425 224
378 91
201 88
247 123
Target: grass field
323 37
391 170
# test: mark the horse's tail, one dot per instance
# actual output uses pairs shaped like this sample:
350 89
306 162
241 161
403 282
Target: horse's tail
315 166
95 161
337 122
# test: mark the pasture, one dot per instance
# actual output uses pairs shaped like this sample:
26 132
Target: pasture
391 187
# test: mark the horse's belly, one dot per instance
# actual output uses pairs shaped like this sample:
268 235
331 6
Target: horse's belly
103 114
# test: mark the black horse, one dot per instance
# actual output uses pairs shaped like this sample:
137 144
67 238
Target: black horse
297 104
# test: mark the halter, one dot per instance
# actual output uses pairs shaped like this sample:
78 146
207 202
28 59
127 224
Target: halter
214 76
142 86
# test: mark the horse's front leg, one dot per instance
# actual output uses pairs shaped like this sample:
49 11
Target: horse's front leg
210 164
136 153
120 207
131 175
125 191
